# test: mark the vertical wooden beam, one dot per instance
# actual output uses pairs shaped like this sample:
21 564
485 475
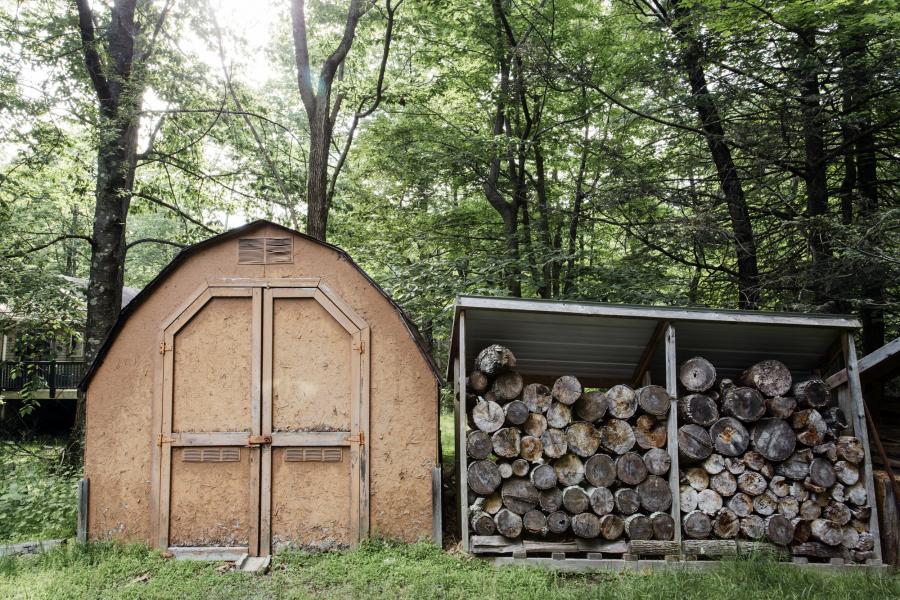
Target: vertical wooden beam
858 419
261 422
81 534
649 350
365 354
672 427
437 522
460 372
165 448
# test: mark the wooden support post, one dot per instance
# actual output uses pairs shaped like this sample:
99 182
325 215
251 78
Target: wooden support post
858 418
887 505
84 487
437 522
649 351
672 427
461 434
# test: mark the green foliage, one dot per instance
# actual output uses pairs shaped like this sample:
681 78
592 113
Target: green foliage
381 569
37 493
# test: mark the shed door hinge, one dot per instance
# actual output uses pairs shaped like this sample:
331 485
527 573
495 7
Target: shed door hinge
359 438
259 440
359 346
163 439
163 348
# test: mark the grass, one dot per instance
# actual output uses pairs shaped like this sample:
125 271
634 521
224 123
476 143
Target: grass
38 496
391 570
447 436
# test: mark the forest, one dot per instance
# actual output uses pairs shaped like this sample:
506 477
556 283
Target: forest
723 153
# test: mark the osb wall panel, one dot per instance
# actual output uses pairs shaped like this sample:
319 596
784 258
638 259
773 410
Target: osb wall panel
310 503
403 431
310 368
213 351
210 504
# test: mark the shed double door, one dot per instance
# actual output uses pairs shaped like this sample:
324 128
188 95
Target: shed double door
263 428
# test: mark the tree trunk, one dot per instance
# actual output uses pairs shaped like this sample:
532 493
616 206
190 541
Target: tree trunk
317 170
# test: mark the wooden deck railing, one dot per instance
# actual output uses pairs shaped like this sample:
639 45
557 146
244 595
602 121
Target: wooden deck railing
49 375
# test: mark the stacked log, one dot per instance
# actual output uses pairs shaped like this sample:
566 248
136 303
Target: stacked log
561 461
760 460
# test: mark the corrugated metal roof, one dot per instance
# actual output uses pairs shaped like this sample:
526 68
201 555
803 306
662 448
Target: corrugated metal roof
603 343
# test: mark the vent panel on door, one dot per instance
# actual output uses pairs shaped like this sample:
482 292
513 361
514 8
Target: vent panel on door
211 455
265 251
313 455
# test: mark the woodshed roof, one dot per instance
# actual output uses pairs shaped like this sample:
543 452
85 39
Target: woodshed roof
188 252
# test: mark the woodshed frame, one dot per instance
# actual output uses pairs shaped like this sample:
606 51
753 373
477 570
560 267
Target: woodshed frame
261 438
819 341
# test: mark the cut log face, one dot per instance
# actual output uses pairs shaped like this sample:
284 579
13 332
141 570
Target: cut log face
781 407
697 525
535 521
591 406
813 393
519 495
585 525
741 504
483 477
849 448
492 503
583 439
744 403
505 469
688 499
752 483
846 472
796 467
654 494
516 412
567 389
600 470
663 526
697 374
753 527
809 510
575 500
602 500
715 464
507 442
550 499
559 415
569 470
508 523
558 522
834 418
827 450
726 524
779 486
495 359
488 416
657 461
483 523
649 433
771 377
696 477
856 494
724 483
478 381
735 465
537 397
789 507
821 473
694 443
520 467
729 436
478 445
638 527
617 436
507 386
622 401
554 443
851 538
654 400
699 409
531 448
630 468
535 425
827 532
627 501
837 512
779 530
611 526
543 477
765 504
709 502
774 439
810 427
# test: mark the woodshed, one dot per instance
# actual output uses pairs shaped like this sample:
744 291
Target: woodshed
262 393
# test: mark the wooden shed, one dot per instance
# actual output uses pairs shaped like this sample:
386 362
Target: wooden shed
604 345
262 393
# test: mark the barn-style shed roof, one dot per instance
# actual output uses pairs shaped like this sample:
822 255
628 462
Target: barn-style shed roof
602 343
190 251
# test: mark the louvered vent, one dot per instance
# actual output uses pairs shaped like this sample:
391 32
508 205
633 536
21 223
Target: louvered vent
265 251
313 455
211 455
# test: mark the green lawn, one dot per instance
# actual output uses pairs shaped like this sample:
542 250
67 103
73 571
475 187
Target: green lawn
386 570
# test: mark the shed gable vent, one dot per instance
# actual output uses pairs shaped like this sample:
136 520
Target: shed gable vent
265 251
313 455
211 455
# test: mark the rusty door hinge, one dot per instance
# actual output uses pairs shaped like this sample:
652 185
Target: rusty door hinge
259 440
163 348
359 438
359 346
162 439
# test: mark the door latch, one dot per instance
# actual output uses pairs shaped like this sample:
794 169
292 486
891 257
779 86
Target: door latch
359 438
259 440
162 439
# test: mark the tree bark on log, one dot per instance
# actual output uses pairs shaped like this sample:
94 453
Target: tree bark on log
699 409
697 374
729 437
771 377
495 359
483 523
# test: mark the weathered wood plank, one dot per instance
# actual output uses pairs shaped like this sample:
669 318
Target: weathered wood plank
81 529
672 427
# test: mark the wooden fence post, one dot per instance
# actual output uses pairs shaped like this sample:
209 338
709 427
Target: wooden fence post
81 532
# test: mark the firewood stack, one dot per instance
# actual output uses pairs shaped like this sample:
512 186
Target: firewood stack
564 461
763 459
